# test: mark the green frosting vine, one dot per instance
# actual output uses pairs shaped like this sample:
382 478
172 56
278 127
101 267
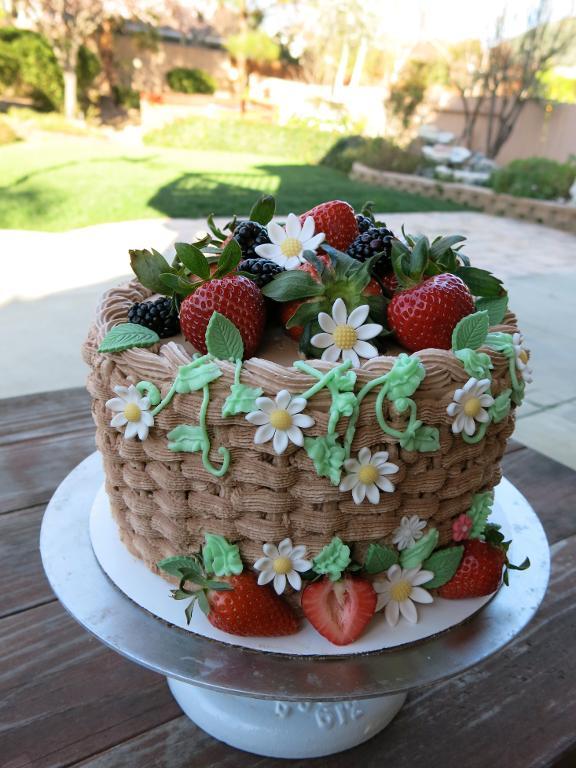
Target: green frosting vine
333 559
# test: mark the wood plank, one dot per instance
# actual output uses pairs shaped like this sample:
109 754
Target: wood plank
550 488
44 414
64 696
516 710
20 563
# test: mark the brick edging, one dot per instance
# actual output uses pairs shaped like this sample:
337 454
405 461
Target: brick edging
536 211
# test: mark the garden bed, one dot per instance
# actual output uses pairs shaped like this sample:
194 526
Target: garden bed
557 215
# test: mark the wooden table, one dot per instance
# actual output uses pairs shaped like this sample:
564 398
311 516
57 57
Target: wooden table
66 700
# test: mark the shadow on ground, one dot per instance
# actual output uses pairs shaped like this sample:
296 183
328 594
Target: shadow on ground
296 187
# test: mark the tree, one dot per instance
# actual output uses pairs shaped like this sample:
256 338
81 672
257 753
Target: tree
502 76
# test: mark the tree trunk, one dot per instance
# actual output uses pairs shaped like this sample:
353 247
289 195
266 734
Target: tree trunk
105 43
70 93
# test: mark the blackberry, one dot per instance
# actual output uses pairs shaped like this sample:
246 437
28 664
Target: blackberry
368 243
160 316
364 222
249 234
263 270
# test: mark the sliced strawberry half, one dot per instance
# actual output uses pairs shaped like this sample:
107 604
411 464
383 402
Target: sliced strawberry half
339 610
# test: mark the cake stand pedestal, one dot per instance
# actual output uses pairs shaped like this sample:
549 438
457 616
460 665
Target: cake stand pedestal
272 704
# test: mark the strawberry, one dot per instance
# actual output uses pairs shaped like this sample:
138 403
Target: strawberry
426 315
236 297
337 220
249 609
234 602
339 610
390 283
327 277
480 570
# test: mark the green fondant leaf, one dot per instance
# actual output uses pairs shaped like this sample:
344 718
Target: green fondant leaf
518 394
417 553
223 339
479 512
193 259
501 342
379 558
127 336
220 557
242 399
292 284
263 209
187 439
443 565
333 559
471 331
196 375
179 565
496 308
476 364
328 456
423 439
405 377
500 408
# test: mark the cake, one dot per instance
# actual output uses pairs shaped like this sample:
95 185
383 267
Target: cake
306 422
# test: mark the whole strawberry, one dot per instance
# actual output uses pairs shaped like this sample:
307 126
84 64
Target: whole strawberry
480 570
337 220
249 609
426 315
236 297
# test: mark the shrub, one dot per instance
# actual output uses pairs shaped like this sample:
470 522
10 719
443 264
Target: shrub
535 177
185 80
38 71
125 96
377 153
87 70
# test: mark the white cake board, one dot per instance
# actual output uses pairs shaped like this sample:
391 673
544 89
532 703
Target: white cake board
152 592
272 703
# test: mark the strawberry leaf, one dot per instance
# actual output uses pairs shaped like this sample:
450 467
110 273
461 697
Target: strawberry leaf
223 339
177 284
193 259
443 564
229 260
443 244
480 282
471 331
179 565
307 311
419 257
263 209
148 266
496 308
218 234
291 285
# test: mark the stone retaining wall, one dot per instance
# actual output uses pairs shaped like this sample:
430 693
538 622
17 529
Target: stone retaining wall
537 211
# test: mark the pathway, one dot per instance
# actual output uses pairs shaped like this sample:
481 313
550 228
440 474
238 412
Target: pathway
47 305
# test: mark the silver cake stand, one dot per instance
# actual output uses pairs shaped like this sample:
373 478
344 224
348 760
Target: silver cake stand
271 704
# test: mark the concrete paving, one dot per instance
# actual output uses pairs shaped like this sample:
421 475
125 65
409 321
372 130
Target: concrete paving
52 282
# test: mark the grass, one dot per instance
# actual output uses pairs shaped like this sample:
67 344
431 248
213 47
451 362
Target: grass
56 184
236 134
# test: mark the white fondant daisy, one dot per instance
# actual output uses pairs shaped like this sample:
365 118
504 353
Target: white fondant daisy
282 563
131 409
408 532
366 476
280 420
469 405
288 245
521 353
399 591
345 335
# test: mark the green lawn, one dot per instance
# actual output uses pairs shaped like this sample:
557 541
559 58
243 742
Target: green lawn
66 182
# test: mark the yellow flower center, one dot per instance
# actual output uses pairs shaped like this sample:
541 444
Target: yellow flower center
472 407
368 474
280 419
344 336
523 356
291 247
282 565
132 412
401 591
